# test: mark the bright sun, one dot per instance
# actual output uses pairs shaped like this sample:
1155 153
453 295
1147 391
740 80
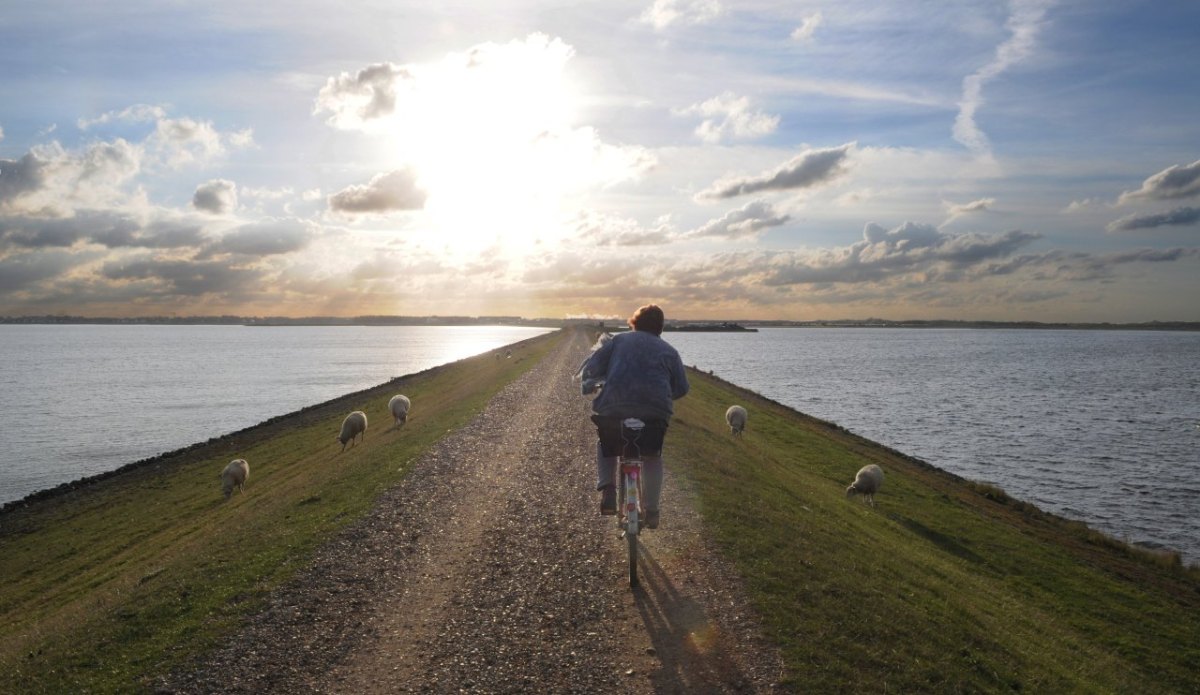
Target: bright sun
490 134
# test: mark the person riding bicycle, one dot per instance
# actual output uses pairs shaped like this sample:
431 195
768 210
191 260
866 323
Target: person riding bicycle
642 376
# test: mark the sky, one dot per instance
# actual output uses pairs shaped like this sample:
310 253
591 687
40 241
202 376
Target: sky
980 160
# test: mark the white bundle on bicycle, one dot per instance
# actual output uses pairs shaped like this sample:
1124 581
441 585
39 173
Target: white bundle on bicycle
592 384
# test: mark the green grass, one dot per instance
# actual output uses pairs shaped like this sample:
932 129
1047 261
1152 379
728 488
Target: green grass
106 586
945 586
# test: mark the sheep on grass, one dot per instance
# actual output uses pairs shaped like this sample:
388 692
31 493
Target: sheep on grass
235 475
398 406
736 417
354 425
867 482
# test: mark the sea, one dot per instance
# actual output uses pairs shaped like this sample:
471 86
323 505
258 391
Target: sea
1101 426
77 400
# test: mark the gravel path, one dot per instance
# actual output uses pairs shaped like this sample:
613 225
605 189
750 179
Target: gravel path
489 570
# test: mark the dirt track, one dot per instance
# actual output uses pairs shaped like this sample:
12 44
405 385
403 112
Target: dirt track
489 570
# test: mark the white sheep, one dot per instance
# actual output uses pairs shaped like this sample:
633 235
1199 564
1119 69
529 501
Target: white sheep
736 417
399 406
867 482
235 475
354 425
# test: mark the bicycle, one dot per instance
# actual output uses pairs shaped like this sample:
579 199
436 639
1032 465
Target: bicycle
629 490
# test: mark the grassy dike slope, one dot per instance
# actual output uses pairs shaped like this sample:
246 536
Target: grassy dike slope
108 584
946 586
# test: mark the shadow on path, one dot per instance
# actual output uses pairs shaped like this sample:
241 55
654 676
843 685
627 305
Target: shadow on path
686 641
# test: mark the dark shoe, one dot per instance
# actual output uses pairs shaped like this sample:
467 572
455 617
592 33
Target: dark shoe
608 500
651 518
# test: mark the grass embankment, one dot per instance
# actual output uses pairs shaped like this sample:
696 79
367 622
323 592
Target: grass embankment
945 586
107 585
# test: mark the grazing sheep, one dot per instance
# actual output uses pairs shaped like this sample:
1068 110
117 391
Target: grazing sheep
867 482
354 425
736 417
399 406
235 475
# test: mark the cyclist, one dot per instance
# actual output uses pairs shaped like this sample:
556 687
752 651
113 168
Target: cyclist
642 375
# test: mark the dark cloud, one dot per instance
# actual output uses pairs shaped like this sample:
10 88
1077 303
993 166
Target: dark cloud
19 271
1172 183
803 171
266 238
107 228
747 221
186 278
396 190
19 176
1177 217
217 196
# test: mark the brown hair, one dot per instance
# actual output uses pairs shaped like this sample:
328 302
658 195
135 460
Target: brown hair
649 319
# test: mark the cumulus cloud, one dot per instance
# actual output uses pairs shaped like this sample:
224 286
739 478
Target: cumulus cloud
263 238
728 117
1024 22
664 13
804 32
176 141
1172 183
396 190
52 181
748 221
218 196
609 230
183 141
1178 217
908 248
355 99
110 162
806 170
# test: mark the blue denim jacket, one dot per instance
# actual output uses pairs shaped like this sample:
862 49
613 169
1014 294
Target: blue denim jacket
642 375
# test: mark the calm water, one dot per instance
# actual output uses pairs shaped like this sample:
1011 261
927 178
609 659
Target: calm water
1100 426
82 399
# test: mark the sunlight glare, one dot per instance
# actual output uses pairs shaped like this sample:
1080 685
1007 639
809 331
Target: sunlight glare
490 133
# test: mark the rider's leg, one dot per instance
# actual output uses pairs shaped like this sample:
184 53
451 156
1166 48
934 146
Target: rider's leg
606 467
652 479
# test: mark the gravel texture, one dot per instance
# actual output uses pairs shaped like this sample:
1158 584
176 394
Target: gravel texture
489 569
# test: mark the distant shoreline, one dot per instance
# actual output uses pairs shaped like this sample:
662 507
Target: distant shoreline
740 325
